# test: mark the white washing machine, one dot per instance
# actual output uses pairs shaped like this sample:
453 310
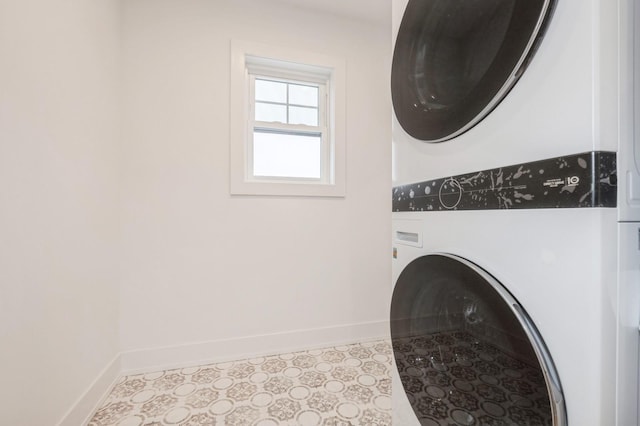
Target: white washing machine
516 219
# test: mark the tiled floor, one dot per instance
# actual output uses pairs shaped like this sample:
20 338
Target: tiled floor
339 386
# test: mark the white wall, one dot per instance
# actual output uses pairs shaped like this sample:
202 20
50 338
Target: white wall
117 235
58 203
200 265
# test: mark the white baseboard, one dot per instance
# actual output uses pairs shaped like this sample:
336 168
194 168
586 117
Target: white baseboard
80 412
145 360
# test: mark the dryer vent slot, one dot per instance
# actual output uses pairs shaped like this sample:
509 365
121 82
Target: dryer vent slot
407 232
408 237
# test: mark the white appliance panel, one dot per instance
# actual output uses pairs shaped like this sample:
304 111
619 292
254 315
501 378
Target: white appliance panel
629 150
627 396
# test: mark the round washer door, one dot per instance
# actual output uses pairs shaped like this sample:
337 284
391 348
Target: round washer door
466 352
454 60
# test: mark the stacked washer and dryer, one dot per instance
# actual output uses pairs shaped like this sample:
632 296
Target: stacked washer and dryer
516 212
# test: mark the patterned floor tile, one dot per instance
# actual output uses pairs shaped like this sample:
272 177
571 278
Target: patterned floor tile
339 386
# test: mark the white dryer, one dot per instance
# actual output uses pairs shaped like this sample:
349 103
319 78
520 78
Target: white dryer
515 212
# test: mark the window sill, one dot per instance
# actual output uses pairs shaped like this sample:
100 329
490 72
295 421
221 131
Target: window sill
292 189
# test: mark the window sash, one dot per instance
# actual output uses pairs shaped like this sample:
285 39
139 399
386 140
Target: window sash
304 148
323 112
325 152
322 129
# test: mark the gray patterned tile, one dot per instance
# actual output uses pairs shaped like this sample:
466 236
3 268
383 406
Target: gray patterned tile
342 386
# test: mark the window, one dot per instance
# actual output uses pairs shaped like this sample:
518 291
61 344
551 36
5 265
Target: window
287 127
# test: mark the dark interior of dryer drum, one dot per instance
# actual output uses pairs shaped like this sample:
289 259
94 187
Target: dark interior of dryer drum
455 60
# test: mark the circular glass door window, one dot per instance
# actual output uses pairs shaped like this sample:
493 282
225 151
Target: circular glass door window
455 60
466 351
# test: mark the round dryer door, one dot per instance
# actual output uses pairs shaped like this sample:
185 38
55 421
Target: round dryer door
465 350
454 60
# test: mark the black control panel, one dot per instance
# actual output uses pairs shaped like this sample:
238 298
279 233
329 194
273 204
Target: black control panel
582 180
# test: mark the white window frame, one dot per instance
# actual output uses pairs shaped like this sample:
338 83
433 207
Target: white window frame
251 60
